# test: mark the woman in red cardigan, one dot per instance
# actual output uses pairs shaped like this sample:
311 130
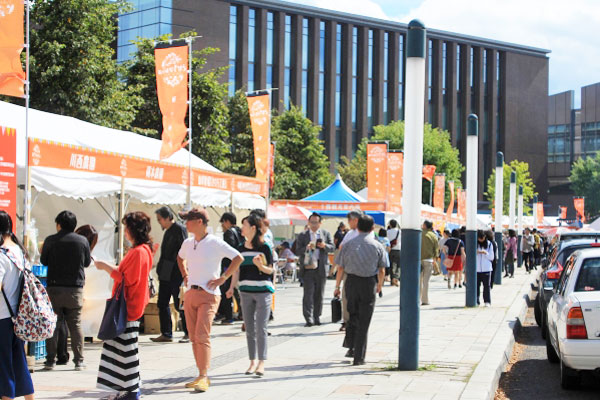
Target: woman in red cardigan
119 365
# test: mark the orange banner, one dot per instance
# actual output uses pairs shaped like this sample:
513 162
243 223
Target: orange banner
333 205
75 158
8 172
172 90
377 171
540 212
272 166
579 203
12 77
395 164
439 190
428 172
563 212
451 205
462 203
260 120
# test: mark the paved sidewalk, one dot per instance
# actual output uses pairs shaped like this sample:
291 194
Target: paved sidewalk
462 353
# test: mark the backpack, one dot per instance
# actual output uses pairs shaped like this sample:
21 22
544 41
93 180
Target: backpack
35 319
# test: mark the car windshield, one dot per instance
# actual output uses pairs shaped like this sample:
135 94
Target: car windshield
589 276
566 253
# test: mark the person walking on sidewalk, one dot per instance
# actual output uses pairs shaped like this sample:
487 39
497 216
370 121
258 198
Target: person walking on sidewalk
199 261
485 256
510 254
15 379
255 278
352 218
441 244
454 249
429 253
232 235
527 242
119 368
490 237
66 254
169 276
363 260
313 246
393 234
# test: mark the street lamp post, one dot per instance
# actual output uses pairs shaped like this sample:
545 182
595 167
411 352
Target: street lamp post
535 216
520 224
512 200
471 234
410 253
499 205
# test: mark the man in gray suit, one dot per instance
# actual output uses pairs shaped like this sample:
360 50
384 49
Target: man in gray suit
312 248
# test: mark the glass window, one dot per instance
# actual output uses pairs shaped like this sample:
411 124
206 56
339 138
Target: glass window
166 28
146 4
150 31
338 76
150 16
166 15
588 279
251 34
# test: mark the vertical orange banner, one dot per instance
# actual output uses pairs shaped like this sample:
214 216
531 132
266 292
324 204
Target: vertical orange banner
451 205
8 171
172 90
12 77
395 166
260 120
377 156
579 203
439 189
563 212
428 172
272 166
540 213
462 203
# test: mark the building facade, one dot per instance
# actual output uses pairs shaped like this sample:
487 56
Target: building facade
347 72
572 133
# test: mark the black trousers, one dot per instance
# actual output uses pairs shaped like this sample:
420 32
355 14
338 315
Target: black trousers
485 279
62 353
361 304
528 260
166 289
226 305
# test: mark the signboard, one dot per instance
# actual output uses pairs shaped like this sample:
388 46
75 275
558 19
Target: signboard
260 120
377 157
8 172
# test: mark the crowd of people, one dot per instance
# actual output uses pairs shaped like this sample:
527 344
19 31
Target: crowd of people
237 272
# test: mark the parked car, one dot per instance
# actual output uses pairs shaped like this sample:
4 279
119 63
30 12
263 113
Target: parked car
548 278
573 329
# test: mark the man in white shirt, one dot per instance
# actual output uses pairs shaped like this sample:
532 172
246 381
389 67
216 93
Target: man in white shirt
393 235
199 261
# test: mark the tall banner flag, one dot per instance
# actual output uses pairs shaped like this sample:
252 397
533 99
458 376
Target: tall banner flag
395 166
172 89
451 205
377 157
563 212
259 106
579 203
439 191
540 212
271 166
462 203
8 171
12 77
428 172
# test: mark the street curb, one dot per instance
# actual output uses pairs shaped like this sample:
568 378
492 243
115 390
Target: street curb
484 381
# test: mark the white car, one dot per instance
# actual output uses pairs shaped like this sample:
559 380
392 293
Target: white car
573 336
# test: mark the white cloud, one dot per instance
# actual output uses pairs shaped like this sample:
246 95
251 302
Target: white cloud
367 8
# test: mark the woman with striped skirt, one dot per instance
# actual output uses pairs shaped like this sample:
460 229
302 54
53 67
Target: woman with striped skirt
119 369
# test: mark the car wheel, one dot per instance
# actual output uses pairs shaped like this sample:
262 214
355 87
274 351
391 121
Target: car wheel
550 352
537 310
569 378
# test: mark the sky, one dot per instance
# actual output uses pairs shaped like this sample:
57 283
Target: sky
569 29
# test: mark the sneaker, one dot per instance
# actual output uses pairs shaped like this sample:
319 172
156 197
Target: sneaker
227 322
488 305
79 366
162 339
202 385
48 366
128 396
185 339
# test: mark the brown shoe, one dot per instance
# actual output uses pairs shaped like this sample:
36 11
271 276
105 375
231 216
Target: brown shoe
395 282
162 339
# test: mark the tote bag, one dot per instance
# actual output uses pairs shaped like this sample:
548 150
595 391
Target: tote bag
115 315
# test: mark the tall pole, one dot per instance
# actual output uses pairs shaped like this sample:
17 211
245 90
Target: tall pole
471 233
520 224
499 206
512 200
410 253
27 194
535 216
189 41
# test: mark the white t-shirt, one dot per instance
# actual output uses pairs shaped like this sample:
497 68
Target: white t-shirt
204 260
391 235
9 279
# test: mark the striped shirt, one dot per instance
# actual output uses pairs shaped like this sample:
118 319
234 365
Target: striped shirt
362 256
251 279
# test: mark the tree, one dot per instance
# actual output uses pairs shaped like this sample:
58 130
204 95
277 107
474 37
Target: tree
523 178
72 67
437 150
240 136
301 166
585 181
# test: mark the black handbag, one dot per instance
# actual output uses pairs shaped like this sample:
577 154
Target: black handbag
336 309
114 320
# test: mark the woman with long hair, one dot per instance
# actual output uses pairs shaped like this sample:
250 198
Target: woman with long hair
15 380
255 278
119 364
510 254
485 256
454 249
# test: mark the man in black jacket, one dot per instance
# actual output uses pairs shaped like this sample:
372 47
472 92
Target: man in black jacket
169 276
66 254
232 235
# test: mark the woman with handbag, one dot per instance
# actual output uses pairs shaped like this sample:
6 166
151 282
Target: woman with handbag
510 253
119 365
15 380
454 249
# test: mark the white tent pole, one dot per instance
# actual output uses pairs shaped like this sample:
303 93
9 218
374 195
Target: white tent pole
189 188
120 224
27 196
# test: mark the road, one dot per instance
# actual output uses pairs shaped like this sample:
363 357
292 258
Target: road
529 375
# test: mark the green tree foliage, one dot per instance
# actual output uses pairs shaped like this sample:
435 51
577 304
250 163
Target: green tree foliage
585 181
240 136
301 167
437 150
523 178
72 67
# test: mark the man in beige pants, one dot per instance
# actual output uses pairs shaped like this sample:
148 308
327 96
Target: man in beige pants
429 253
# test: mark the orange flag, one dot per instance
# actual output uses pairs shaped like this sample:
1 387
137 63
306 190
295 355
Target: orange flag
462 203
439 191
451 205
395 170
579 203
12 77
563 212
540 213
8 172
260 119
272 166
172 90
377 157
428 172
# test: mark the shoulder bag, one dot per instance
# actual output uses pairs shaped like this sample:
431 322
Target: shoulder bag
114 320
